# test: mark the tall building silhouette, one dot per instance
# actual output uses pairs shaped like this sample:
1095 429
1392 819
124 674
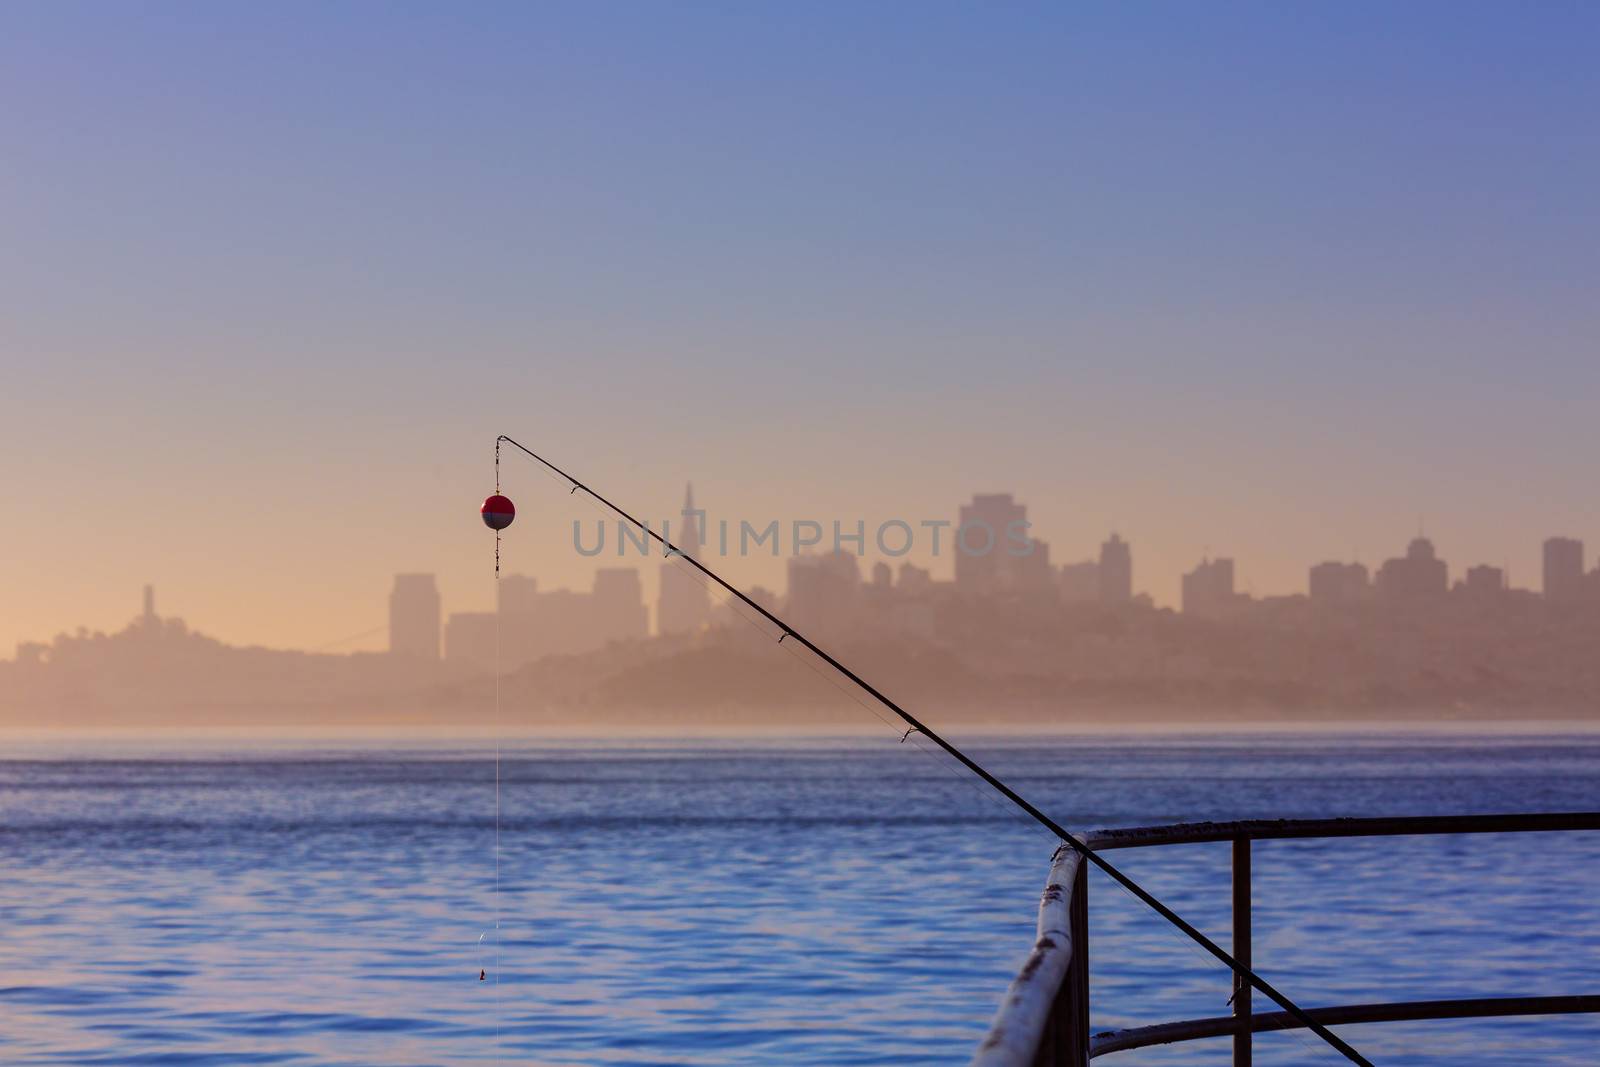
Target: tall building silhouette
824 592
1484 582
469 637
994 552
1208 589
619 604
984 564
1032 573
414 617
1116 571
1418 574
684 605
516 594
529 623
1563 569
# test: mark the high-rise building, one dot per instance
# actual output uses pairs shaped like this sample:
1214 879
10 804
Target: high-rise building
1339 583
1116 571
1484 582
1418 574
516 594
823 592
684 605
470 639
986 536
1208 589
530 623
517 636
414 617
1563 569
619 611
1032 573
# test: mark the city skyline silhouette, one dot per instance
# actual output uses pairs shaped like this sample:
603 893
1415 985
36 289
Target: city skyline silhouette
568 532
964 565
1031 641
1162 281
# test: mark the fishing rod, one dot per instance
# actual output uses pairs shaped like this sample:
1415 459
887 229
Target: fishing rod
916 725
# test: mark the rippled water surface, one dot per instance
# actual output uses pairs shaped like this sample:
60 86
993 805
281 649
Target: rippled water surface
844 902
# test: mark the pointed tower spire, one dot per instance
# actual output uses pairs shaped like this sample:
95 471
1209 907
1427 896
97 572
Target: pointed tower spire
692 539
684 605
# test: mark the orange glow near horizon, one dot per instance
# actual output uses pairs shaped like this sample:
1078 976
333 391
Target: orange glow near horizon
261 330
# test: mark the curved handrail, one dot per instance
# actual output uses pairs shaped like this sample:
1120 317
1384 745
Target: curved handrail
1183 833
1042 1022
1393 1012
1024 1014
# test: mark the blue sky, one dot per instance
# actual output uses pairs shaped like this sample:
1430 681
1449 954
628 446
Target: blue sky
1273 280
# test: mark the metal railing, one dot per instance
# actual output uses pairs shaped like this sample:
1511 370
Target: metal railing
1044 1019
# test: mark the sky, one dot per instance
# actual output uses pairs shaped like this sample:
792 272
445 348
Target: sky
1278 282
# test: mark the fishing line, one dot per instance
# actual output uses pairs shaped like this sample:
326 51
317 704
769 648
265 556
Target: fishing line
721 596
374 632
990 797
770 636
799 655
1088 854
1315 1049
498 1002
910 734
767 635
922 746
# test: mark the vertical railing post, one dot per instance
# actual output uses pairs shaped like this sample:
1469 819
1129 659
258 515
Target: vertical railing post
1079 965
1242 1050
1065 1041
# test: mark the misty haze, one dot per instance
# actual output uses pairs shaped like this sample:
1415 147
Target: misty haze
814 534
1001 638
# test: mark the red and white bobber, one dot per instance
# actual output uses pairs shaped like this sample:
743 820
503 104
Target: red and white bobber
498 511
